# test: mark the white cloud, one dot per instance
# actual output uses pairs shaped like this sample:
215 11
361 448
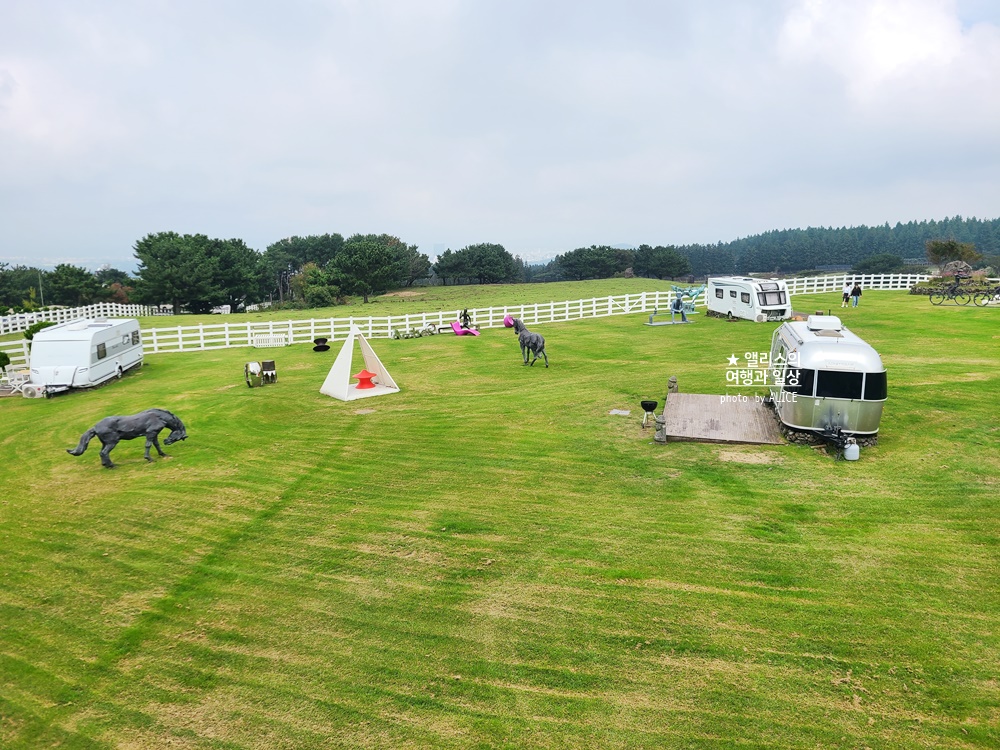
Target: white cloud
879 48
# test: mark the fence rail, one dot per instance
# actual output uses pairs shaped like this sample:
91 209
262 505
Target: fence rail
226 334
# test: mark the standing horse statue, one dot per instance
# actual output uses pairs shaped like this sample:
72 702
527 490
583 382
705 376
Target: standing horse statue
110 430
530 342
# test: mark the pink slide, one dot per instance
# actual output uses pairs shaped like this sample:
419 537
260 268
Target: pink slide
459 331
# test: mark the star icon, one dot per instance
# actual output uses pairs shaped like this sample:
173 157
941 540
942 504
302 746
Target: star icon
733 359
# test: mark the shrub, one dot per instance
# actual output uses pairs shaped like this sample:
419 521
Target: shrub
30 331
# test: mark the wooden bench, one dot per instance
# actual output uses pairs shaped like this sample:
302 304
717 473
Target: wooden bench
264 340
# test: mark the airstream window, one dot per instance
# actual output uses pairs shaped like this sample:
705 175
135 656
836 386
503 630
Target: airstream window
719 294
833 384
799 381
102 351
745 297
875 386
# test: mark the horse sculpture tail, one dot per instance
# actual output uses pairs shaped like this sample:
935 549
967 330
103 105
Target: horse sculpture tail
84 442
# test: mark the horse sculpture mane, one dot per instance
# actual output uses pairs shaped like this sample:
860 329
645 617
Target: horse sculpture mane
150 423
530 342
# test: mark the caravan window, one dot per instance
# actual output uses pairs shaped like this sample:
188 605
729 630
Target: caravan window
732 292
719 294
767 287
833 384
102 351
745 298
799 381
771 298
135 337
875 386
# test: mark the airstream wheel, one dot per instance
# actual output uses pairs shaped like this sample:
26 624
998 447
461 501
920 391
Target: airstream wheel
937 298
962 298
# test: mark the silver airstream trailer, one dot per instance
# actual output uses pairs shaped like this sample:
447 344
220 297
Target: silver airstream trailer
826 379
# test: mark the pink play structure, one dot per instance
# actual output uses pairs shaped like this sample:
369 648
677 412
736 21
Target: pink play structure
459 331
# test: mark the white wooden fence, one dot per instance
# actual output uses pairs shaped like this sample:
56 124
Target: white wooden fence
227 334
835 282
276 333
22 321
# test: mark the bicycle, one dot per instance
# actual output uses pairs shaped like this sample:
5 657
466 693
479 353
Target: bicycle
984 298
955 292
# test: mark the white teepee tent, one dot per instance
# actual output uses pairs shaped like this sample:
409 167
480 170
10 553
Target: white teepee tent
339 383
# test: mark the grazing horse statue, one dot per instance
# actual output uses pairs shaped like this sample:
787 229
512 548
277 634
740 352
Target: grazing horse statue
530 342
149 423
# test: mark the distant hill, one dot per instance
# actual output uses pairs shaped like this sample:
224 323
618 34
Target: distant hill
787 250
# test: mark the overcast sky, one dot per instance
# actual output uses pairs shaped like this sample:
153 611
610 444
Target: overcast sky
542 125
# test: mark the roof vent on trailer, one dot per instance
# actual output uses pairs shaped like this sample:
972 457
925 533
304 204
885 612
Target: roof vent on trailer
824 323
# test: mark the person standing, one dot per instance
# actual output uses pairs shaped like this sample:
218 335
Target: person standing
846 293
855 295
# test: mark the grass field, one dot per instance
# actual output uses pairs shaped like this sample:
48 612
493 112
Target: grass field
490 559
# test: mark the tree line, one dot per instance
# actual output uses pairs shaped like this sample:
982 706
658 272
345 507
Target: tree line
792 250
197 273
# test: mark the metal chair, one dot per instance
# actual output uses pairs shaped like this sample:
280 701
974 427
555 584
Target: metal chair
18 380
269 373
253 375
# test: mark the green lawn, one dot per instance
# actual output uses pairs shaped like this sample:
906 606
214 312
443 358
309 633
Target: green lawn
490 559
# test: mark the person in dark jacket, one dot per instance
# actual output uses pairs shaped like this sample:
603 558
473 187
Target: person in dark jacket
856 295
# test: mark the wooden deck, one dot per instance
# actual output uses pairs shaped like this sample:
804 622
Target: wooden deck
719 419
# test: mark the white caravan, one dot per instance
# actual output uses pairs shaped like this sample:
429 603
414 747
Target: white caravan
81 354
759 300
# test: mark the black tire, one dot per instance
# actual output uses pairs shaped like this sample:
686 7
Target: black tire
962 298
937 298
982 298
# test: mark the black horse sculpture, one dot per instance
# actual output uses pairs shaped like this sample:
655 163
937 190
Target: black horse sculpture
530 342
149 423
